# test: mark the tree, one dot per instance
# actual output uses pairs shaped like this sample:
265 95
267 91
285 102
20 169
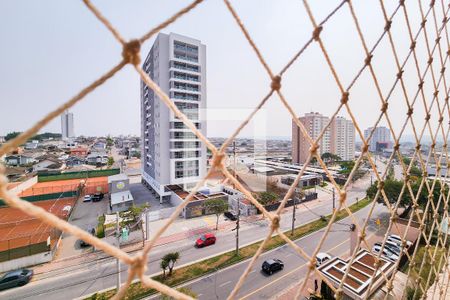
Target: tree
110 161
330 157
12 135
217 207
164 265
170 258
266 198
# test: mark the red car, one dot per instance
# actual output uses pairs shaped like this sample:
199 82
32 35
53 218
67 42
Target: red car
205 240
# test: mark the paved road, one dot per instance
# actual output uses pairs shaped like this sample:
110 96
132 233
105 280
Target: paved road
261 286
88 278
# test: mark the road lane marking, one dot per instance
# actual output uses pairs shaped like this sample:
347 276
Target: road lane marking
289 254
224 284
296 269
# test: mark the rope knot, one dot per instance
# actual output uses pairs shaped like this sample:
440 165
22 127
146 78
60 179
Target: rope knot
401 2
384 107
313 148
342 196
400 74
413 45
316 33
430 61
421 84
275 222
344 98
396 146
217 160
139 265
388 25
441 119
427 118
418 147
365 148
368 59
443 70
130 52
276 83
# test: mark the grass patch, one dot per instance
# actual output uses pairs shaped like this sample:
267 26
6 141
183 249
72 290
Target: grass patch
426 269
101 227
210 265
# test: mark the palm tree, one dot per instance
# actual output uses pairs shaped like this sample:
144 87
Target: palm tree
164 265
171 258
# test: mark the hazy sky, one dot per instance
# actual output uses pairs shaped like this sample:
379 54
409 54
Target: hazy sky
52 49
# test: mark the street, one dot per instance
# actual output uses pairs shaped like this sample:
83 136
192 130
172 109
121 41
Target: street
84 279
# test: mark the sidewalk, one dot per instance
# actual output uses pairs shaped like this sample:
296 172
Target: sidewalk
189 229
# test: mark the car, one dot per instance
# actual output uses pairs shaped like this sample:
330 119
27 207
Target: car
391 247
386 253
398 240
230 216
205 240
272 265
322 257
15 278
87 198
84 244
97 197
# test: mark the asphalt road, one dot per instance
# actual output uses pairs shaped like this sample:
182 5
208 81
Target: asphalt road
261 286
77 281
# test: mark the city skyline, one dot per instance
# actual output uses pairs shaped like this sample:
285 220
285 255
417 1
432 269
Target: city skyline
120 99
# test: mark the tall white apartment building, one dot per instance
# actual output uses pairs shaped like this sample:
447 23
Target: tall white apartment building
67 131
314 123
381 138
343 138
171 153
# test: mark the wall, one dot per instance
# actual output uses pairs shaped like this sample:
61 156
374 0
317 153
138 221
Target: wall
26 261
24 185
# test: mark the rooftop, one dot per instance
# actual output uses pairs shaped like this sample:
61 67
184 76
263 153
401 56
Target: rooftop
121 197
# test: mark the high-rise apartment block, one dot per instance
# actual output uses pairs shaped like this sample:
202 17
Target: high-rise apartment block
338 138
67 131
381 138
343 138
171 153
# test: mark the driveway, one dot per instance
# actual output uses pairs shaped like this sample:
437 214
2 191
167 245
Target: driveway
84 215
142 195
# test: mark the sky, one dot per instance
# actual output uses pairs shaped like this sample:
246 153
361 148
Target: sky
52 49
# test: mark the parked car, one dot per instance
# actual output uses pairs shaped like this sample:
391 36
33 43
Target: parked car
87 198
205 240
97 197
391 247
398 240
83 243
322 257
386 253
272 265
230 216
15 278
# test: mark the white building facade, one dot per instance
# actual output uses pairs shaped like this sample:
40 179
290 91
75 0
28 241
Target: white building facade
343 138
67 131
171 153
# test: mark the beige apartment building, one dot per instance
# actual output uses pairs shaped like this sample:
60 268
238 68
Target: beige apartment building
338 138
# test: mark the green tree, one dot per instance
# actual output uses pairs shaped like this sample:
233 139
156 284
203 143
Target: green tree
266 198
110 161
109 141
164 265
330 157
12 135
170 258
217 207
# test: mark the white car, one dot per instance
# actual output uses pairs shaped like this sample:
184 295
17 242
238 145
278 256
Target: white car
398 240
386 253
87 198
322 257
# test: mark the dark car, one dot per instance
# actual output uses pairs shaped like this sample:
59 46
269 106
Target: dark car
205 240
84 244
97 197
230 216
15 278
272 265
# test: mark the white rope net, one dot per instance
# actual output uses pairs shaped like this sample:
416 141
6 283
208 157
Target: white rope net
431 32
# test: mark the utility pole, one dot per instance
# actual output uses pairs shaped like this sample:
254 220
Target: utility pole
238 201
293 212
118 245
334 206
237 226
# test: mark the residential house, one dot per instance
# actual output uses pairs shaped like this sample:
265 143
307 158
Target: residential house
120 196
97 158
18 160
79 151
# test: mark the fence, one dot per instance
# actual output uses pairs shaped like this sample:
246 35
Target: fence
420 56
77 175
